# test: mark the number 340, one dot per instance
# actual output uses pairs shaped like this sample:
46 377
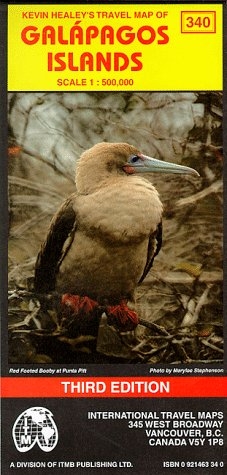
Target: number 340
200 22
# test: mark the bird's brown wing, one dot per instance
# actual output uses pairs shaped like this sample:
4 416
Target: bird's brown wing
55 247
154 246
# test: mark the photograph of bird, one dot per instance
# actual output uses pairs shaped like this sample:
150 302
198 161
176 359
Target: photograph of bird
103 240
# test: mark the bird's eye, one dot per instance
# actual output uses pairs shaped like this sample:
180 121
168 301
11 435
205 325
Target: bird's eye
134 158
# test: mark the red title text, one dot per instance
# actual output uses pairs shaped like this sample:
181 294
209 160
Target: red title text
102 60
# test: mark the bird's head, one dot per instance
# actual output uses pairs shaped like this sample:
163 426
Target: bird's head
107 160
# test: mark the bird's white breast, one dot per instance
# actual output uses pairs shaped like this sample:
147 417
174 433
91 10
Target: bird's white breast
124 210
109 251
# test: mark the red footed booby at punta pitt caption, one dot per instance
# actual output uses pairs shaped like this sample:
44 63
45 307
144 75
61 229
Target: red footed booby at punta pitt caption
103 240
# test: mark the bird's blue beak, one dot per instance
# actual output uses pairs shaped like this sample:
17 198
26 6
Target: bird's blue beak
143 164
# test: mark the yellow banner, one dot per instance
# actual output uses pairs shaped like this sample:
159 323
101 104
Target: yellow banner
115 47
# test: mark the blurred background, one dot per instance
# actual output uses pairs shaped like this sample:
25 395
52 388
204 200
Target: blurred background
182 293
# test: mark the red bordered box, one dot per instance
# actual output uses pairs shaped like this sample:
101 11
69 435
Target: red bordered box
198 21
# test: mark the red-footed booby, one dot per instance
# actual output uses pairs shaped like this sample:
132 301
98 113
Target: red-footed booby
103 240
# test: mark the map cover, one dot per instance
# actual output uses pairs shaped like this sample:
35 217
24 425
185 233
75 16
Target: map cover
113 317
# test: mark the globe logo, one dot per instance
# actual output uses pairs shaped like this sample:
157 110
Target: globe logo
35 425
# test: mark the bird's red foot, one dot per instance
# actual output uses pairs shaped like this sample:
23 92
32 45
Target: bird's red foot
79 305
125 318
